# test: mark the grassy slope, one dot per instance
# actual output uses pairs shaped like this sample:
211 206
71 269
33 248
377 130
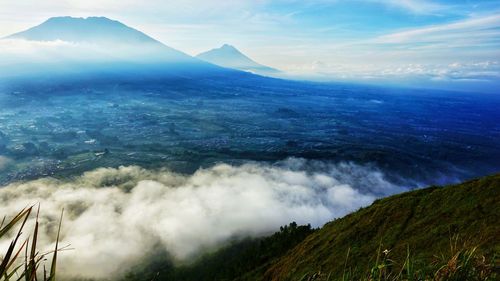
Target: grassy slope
423 220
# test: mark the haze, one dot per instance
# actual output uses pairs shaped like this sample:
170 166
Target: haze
442 44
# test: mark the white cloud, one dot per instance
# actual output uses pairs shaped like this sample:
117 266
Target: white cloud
17 56
115 216
413 6
24 47
447 33
413 57
480 76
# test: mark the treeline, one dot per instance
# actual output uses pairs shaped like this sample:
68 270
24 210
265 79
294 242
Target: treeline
228 263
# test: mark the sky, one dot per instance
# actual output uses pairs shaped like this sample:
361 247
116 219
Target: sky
427 41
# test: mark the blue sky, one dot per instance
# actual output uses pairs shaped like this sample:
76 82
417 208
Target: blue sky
405 40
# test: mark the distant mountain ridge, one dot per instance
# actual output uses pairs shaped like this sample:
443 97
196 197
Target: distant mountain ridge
103 45
103 48
230 57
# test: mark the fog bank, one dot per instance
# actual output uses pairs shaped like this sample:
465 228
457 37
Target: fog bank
114 216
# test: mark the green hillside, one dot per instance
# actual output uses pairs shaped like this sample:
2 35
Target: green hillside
422 223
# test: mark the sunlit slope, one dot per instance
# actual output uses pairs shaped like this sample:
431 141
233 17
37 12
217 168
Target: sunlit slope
423 220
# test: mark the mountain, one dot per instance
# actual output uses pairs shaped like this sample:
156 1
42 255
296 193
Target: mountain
97 47
91 29
99 44
230 57
99 31
417 229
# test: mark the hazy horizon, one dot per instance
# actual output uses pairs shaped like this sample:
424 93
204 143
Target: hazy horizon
442 44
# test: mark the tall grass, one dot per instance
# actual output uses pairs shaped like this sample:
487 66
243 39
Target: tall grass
15 267
462 263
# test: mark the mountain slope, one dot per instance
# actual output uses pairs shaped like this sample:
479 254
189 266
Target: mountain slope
91 29
423 220
97 48
96 30
230 57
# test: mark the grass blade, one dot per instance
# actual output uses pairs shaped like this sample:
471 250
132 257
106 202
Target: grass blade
52 276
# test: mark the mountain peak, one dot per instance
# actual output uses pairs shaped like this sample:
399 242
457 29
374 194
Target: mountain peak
230 57
69 18
82 20
228 47
90 29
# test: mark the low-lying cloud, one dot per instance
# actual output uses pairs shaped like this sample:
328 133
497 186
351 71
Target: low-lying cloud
113 217
481 76
17 56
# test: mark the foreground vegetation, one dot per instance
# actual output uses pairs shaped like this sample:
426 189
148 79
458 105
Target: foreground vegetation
438 233
463 264
23 260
